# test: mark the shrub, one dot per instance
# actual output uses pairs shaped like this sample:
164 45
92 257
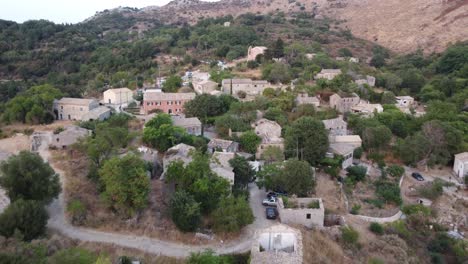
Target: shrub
388 191
415 209
232 214
356 173
28 217
395 171
313 205
355 209
185 211
357 154
376 228
432 190
73 255
77 211
58 130
349 236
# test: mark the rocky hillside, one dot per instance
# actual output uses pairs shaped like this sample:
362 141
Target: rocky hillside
402 26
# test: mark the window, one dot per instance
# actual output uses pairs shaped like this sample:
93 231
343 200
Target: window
61 107
308 216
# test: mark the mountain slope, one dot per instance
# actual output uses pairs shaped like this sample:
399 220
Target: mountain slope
402 26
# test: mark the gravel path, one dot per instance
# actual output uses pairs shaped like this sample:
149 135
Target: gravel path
58 222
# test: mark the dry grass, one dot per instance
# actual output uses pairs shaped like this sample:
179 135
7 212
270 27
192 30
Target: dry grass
330 192
318 247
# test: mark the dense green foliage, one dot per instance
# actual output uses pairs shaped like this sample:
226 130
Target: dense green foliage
185 211
24 218
232 214
293 176
306 139
125 183
243 172
27 176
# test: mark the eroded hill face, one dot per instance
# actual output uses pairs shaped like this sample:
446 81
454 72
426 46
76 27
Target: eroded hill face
400 25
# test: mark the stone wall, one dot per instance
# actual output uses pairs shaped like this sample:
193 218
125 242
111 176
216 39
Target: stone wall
309 217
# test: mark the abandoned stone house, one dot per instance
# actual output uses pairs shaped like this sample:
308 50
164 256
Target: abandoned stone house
242 88
344 102
73 108
270 134
219 164
223 145
204 87
328 74
304 98
170 103
404 101
253 52
345 150
460 165
353 140
69 136
336 126
181 152
192 124
278 244
99 113
366 109
118 96
369 80
308 212
4 200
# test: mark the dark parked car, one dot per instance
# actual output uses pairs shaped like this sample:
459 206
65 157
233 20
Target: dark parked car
271 213
417 176
271 194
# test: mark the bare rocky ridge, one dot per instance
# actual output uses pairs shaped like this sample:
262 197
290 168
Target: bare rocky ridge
401 26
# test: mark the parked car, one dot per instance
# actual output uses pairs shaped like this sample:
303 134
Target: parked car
272 194
417 176
269 201
271 213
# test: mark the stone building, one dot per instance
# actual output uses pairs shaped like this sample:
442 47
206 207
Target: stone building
460 165
366 109
336 126
344 150
170 103
99 113
308 212
344 102
73 108
404 101
219 164
369 80
328 74
278 244
204 87
69 136
242 88
304 98
217 144
253 52
181 152
192 124
270 133
118 96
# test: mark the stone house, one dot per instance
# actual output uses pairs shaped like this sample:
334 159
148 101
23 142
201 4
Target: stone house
99 113
345 150
227 24
73 108
336 126
310 56
354 60
170 103
251 88
181 152
270 133
192 124
328 74
366 109
308 212
217 144
278 244
404 101
118 96
219 164
344 102
460 165
369 80
353 140
253 52
204 87
4 200
304 98
69 136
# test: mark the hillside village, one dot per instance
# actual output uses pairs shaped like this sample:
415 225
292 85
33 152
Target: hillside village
279 154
